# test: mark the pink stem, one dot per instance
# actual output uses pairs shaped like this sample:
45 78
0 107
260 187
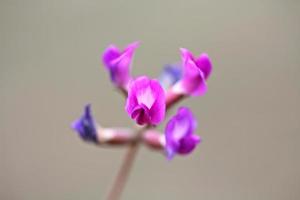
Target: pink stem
122 176
154 139
173 98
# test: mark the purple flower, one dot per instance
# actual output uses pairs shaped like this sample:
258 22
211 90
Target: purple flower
118 63
179 133
85 126
195 73
146 101
170 75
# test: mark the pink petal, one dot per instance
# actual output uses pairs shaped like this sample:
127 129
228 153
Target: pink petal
204 63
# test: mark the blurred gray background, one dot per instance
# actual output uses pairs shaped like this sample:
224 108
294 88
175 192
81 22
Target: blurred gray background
249 120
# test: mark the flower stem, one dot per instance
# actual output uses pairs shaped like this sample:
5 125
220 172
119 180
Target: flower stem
122 176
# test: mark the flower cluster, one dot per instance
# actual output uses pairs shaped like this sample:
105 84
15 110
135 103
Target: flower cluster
149 99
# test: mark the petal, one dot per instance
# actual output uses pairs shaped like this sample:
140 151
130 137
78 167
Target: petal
158 108
141 114
110 54
131 47
146 96
186 119
170 75
136 90
119 63
146 92
204 63
85 126
178 127
188 144
186 54
195 73
193 81
170 153
179 133
125 59
172 145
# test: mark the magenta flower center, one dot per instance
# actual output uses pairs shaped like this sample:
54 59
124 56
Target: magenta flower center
141 114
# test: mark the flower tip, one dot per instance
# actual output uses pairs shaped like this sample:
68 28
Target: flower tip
87 109
170 154
131 47
135 44
205 57
197 139
205 64
183 51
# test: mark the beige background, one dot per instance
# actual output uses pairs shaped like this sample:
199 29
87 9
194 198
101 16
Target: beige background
249 119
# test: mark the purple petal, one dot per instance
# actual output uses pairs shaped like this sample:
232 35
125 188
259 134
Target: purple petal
186 54
179 133
204 63
124 59
188 144
193 80
85 126
170 75
141 114
110 54
158 109
146 101
119 63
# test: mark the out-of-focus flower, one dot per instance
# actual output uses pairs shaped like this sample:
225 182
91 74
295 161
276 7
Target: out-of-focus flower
170 75
118 63
195 73
85 126
179 133
146 101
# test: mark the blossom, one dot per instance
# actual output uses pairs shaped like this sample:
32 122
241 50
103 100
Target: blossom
146 101
179 133
195 73
118 63
170 75
85 126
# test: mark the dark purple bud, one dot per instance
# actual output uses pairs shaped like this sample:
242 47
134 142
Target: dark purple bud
85 126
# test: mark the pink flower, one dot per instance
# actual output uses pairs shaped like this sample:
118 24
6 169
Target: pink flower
118 63
195 73
179 133
146 101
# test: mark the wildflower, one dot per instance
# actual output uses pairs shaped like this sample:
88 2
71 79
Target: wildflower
146 101
85 126
179 133
118 63
195 73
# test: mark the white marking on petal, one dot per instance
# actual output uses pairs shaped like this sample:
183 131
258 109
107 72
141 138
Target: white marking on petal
180 129
146 97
